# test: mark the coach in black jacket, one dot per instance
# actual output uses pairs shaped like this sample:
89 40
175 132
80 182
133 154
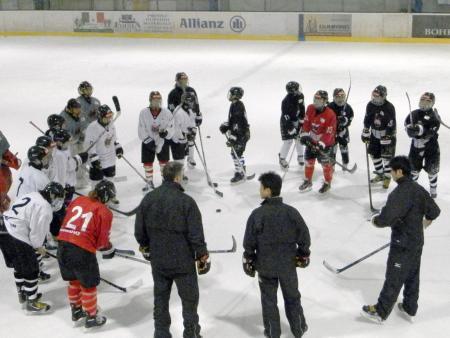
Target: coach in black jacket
276 242
169 231
408 210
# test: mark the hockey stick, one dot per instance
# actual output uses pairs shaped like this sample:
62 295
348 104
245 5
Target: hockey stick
233 248
351 170
410 110
143 261
289 162
134 168
121 288
372 208
339 270
208 178
439 118
34 125
125 213
249 177
118 112
201 146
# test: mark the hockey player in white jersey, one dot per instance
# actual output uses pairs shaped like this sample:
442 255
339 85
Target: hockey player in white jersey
89 104
22 233
32 176
184 127
102 155
155 129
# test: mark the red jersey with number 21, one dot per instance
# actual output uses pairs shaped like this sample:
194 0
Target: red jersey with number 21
87 224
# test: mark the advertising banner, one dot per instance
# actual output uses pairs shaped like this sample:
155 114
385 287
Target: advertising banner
431 26
325 25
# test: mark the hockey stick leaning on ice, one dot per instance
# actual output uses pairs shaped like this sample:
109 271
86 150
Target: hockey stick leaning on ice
125 213
339 270
121 288
372 208
249 177
439 118
208 178
290 159
218 251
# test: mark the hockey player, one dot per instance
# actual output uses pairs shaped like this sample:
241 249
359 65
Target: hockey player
54 122
237 131
184 128
380 134
76 125
85 230
89 104
7 161
155 130
26 224
318 134
169 231
102 133
422 126
174 100
277 241
291 121
408 210
32 177
344 115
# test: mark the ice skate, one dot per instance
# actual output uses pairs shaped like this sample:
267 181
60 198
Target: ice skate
305 186
77 314
378 178
283 162
238 177
404 313
44 277
149 186
370 312
325 187
35 306
94 322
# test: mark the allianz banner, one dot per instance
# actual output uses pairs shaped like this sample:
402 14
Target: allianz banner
431 26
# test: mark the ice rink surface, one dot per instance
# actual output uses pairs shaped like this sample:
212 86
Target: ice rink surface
38 75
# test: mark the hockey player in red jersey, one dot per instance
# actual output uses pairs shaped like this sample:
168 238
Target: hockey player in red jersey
319 132
85 230
7 160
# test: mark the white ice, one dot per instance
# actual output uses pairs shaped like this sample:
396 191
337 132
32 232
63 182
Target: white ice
38 75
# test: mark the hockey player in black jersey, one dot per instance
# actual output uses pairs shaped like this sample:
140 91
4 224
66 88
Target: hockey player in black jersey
380 133
422 126
344 116
291 121
237 130
174 100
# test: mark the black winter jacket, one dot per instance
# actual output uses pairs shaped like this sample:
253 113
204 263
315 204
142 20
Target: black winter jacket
170 223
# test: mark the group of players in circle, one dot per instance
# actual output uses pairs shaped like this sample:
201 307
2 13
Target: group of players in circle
84 133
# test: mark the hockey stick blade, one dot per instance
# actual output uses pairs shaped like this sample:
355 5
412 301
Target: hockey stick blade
126 252
250 177
213 184
233 248
330 268
353 169
116 103
135 285
143 261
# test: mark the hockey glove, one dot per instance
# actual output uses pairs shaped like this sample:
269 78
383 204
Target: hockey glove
301 261
365 135
198 119
84 157
248 265
292 131
70 190
145 251
203 265
108 252
306 140
95 162
163 133
190 136
5 201
10 160
414 130
119 150
224 127
232 140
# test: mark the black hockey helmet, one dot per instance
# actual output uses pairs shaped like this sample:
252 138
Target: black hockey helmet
188 99
320 99
104 114
45 141
61 135
155 99
427 100
54 194
55 121
292 87
339 96
379 95
73 104
85 89
39 157
182 80
235 93
105 191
